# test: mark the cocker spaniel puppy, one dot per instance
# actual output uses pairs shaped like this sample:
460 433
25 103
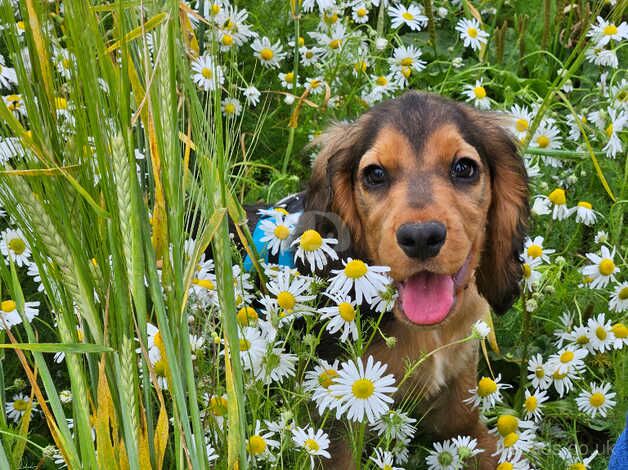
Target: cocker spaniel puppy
435 190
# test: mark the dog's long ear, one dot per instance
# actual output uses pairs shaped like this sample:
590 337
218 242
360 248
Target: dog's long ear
329 198
500 267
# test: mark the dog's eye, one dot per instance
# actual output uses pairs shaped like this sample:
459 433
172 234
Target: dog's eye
464 170
374 176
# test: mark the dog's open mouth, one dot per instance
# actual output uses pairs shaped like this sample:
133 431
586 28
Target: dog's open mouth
426 298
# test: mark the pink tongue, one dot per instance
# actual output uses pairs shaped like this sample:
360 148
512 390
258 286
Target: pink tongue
426 297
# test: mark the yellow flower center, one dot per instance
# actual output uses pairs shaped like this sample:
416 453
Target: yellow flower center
266 53
406 61
543 141
246 316
311 445
381 80
582 340
620 330
607 267
623 293
486 387
218 406
609 130
539 372
362 388
215 9
7 306
245 344
585 204
301 41
535 251
610 30
406 71
282 232
204 283
361 12
65 63
330 18
472 32
160 368
597 399
578 466
601 333
314 83
286 300
256 445
511 439
227 40
309 54
479 92
355 269
566 357
289 77
531 403
558 197
507 424
61 103
230 108
207 73
311 240
521 125
407 15
504 466
346 311
558 376
360 66
20 25
17 246
326 378
20 405
335 43
527 270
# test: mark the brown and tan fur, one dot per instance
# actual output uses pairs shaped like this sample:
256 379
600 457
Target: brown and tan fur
415 138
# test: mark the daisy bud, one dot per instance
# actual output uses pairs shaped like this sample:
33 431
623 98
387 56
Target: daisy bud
442 12
49 452
391 341
550 290
311 341
65 396
531 305
19 384
381 43
289 99
457 62
559 260
480 330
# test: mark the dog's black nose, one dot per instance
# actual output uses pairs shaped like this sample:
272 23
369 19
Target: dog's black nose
423 240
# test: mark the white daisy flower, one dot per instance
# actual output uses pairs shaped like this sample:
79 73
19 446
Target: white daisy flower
251 94
466 446
287 80
275 366
558 199
618 119
314 249
471 33
563 381
476 94
575 461
515 436
268 54
619 299
232 27
311 55
308 5
360 13
603 57
531 276
395 425
480 329
487 393
260 443
332 42
364 390
601 237
15 104
585 213
276 234
579 336
547 136
541 205
207 75
17 408
539 375
444 456
252 347
522 117
598 400
291 293
533 404
603 269
9 315
315 85
382 85
15 246
605 31
601 334
318 381
341 317
231 107
412 16
570 357
406 59
384 459
533 249
366 281
8 77
315 443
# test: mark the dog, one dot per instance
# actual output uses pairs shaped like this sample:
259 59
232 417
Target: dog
437 191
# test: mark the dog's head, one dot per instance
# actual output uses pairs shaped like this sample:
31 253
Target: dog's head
435 190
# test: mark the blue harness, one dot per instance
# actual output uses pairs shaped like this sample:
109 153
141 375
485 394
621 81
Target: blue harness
292 204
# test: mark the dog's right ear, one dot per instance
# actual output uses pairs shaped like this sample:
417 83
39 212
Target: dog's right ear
329 195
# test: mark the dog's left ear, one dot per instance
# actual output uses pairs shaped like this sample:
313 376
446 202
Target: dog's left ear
500 267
